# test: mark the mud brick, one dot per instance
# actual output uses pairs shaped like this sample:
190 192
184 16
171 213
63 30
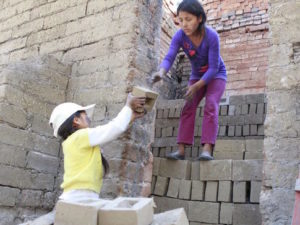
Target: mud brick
223 120
185 189
260 108
195 170
158 132
225 191
245 170
172 112
162 152
238 110
222 131
159 114
229 155
180 169
211 191
231 110
165 113
216 170
252 109
260 130
238 131
239 191
155 152
236 120
156 163
254 119
206 212
226 213
255 191
255 98
230 146
253 130
237 100
245 109
231 131
246 214
224 110
254 145
246 130
177 113
197 190
173 189
161 186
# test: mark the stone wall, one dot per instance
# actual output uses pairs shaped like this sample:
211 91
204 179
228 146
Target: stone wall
244 44
223 191
282 126
30 155
109 46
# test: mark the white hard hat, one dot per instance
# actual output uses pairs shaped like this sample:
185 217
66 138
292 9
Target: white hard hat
63 111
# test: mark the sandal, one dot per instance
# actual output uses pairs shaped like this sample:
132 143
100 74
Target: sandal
175 156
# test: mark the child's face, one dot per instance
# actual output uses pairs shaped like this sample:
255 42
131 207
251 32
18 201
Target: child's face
188 22
82 122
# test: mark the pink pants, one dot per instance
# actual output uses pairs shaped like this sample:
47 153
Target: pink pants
213 92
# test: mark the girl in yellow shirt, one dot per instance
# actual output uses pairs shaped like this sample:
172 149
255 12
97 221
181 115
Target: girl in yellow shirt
84 165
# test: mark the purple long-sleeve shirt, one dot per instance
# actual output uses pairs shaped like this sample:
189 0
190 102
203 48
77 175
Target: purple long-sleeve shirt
206 61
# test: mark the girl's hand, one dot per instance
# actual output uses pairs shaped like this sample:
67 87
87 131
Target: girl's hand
136 103
191 90
157 76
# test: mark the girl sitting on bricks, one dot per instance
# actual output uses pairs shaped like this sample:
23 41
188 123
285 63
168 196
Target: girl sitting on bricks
84 165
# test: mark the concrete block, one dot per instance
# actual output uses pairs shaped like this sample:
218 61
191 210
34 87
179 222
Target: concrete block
224 110
260 108
229 155
254 155
252 109
245 109
239 191
127 211
255 191
216 170
247 170
226 213
211 191
8 196
238 131
153 182
31 198
230 146
197 190
195 170
173 188
164 203
185 189
246 130
254 119
13 156
225 191
253 130
246 214
156 163
222 131
161 186
180 169
85 212
172 217
254 145
231 130
13 115
206 212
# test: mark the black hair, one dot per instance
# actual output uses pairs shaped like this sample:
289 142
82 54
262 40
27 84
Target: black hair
67 128
193 7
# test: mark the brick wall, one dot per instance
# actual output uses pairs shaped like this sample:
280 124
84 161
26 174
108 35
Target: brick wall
223 191
244 39
30 155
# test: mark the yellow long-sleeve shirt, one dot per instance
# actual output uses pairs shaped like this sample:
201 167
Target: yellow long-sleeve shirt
82 156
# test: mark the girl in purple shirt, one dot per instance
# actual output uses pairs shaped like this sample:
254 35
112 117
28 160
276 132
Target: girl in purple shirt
208 77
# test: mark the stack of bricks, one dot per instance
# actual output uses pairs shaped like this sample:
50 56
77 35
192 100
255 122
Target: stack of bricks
223 191
30 155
